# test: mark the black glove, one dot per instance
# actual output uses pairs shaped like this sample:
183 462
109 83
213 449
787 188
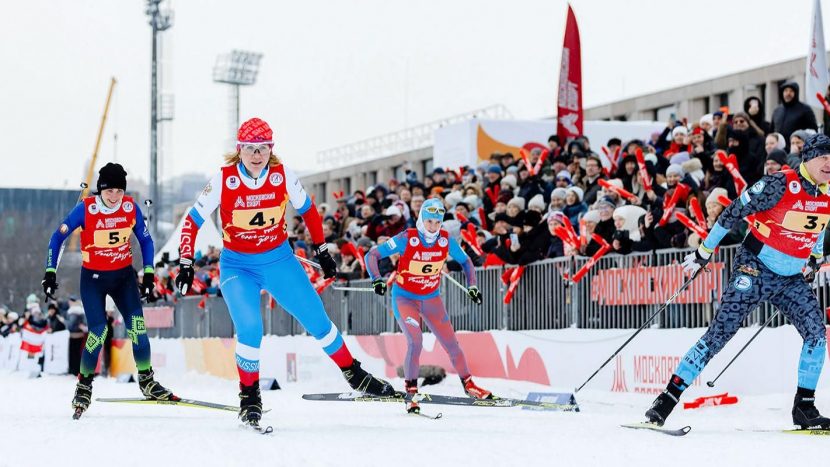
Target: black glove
380 286
810 270
327 263
475 294
50 284
147 286
184 280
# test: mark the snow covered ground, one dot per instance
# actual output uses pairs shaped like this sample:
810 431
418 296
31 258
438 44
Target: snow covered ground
36 429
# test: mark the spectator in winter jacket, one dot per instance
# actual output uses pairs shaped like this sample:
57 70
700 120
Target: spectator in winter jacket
774 141
574 205
755 109
534 240
557 199
590 183
792 114
605 227
56 321
516 211
775 161
797 140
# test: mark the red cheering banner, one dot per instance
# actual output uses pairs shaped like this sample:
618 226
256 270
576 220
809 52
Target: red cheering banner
652 285
604 248
569 102
542 158
731 163
641 162
620 191
515 275
824 102
562 233
691 225
694 204
680 191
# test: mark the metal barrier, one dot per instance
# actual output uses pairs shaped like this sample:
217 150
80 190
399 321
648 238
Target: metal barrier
618 292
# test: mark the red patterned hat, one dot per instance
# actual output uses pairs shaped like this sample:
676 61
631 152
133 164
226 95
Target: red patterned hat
255 131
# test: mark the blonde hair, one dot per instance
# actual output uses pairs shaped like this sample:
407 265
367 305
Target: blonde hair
233 158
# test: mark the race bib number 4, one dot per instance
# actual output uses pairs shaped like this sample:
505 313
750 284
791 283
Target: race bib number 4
251 219
423 268
112 238
805 222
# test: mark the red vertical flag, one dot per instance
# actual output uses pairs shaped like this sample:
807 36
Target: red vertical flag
569 106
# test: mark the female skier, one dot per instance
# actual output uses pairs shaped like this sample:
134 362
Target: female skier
252 192
107 220
415 294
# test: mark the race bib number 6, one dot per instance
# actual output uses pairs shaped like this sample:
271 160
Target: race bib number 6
112 238
250 219
805 222
424 268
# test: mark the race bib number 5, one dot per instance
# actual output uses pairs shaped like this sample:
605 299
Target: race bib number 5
111 238
250 219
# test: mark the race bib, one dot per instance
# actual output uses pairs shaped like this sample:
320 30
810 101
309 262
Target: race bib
251 219
424 268
805 222
111 238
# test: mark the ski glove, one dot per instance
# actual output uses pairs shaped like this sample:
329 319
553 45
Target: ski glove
50 284
327 263
147 286
475 294
380 286
810 270
696 260
184 280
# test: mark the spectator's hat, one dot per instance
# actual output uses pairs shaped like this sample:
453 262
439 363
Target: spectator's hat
536 203
364 242
814 146
13 316
563 175
494 169
472 202
559 193
694 168
509 180
714 194
31 298
518 201
502 217
630 214
605 202
577 191
393 211
452 198
557 216
675 169
707 119
513 170
437 170
777 155
591 216
680 157
679 130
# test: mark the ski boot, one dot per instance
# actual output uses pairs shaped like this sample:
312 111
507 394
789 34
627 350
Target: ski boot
83 396
360 380
250 408
412 389
474 391
152 389
661 408
805 413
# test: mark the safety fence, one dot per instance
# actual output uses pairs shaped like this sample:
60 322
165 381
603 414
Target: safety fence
618 292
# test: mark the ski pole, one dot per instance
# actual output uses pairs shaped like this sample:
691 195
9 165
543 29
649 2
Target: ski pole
454 281
308 262
646 323
353 289
711 384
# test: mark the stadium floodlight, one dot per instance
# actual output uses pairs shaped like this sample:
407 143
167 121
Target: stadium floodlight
237 68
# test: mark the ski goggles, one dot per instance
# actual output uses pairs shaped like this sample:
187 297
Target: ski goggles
250 148
435 210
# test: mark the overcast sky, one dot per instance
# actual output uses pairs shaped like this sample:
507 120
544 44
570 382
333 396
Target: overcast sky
336 72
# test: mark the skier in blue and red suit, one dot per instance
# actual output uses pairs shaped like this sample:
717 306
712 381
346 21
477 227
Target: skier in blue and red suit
416 294
107 220
791 210
252 192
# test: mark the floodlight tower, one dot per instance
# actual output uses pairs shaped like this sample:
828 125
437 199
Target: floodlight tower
237 68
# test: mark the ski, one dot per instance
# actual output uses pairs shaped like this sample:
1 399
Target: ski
426 415
182 402
423 398
795 431
651 426
255 426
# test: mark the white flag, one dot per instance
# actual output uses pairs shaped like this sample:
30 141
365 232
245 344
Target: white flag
816 73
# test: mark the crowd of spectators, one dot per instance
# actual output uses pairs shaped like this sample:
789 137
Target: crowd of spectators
507 210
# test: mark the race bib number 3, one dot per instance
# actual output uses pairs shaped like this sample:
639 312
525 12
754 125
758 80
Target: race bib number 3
251 219
805 222
112 238
423 268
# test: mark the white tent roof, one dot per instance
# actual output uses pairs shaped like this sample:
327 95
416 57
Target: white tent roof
208 236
